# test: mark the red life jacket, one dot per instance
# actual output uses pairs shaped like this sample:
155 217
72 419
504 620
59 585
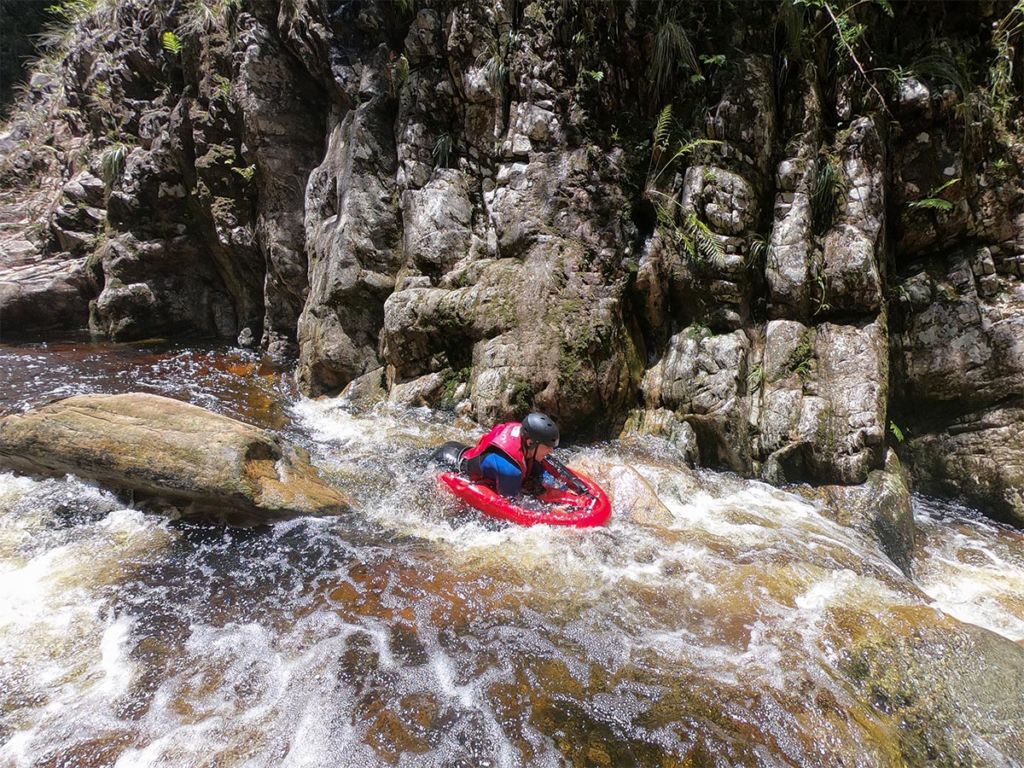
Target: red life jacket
503 439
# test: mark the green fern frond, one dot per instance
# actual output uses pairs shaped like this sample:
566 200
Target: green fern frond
172 43
662 126
931 203
940 189
707 246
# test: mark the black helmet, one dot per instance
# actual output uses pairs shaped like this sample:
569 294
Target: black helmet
541 429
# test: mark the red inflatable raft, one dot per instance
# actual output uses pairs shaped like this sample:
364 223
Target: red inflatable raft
581 504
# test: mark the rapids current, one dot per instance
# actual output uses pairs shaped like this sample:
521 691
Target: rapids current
734 632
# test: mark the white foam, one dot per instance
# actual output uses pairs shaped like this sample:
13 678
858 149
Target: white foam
114 661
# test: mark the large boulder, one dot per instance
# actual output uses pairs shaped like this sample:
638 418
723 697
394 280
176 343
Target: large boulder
39 294
166 450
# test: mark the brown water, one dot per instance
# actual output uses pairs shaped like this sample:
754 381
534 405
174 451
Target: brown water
730 631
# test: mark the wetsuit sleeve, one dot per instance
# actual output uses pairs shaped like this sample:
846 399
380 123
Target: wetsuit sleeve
506 475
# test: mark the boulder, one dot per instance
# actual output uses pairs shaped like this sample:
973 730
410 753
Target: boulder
42 294
879 508
631 494
165 450
953 692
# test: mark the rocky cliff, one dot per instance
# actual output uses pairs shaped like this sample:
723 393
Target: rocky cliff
783 236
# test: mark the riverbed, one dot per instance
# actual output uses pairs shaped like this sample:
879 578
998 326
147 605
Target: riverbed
742 629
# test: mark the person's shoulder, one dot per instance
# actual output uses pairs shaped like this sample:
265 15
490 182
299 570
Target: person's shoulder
501 464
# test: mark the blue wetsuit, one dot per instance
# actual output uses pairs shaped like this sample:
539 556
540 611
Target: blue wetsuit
505 474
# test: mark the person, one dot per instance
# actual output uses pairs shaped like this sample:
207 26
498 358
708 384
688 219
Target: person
511 455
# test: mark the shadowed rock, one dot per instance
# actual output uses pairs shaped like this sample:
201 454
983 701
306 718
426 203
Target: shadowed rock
166 450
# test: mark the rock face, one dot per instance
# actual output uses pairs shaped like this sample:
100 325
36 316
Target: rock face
485 204
164 449
961 369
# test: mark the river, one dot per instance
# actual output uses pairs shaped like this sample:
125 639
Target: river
742 628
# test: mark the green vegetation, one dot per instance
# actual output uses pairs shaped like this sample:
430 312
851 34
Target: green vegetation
207 17
672 50
442 150
801 360
452 381
933 202
760 249
897 432
112 163
520 396
1002 90
821 296
247 173
683 227
828 191
66 15
223 87
494 58
171 43
398 73
842 20
755 378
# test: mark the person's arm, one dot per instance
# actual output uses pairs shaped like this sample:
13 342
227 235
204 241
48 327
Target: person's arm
506 475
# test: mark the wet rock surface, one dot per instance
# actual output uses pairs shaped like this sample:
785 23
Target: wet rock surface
163 450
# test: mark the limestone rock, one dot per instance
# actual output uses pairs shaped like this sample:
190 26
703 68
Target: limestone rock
163 449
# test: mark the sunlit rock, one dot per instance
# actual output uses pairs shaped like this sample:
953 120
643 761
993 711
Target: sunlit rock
163 449
632 496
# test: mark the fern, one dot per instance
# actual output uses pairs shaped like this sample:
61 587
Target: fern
705 245
172 43
933 202
662 126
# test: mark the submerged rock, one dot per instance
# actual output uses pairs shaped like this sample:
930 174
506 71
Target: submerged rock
162 449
